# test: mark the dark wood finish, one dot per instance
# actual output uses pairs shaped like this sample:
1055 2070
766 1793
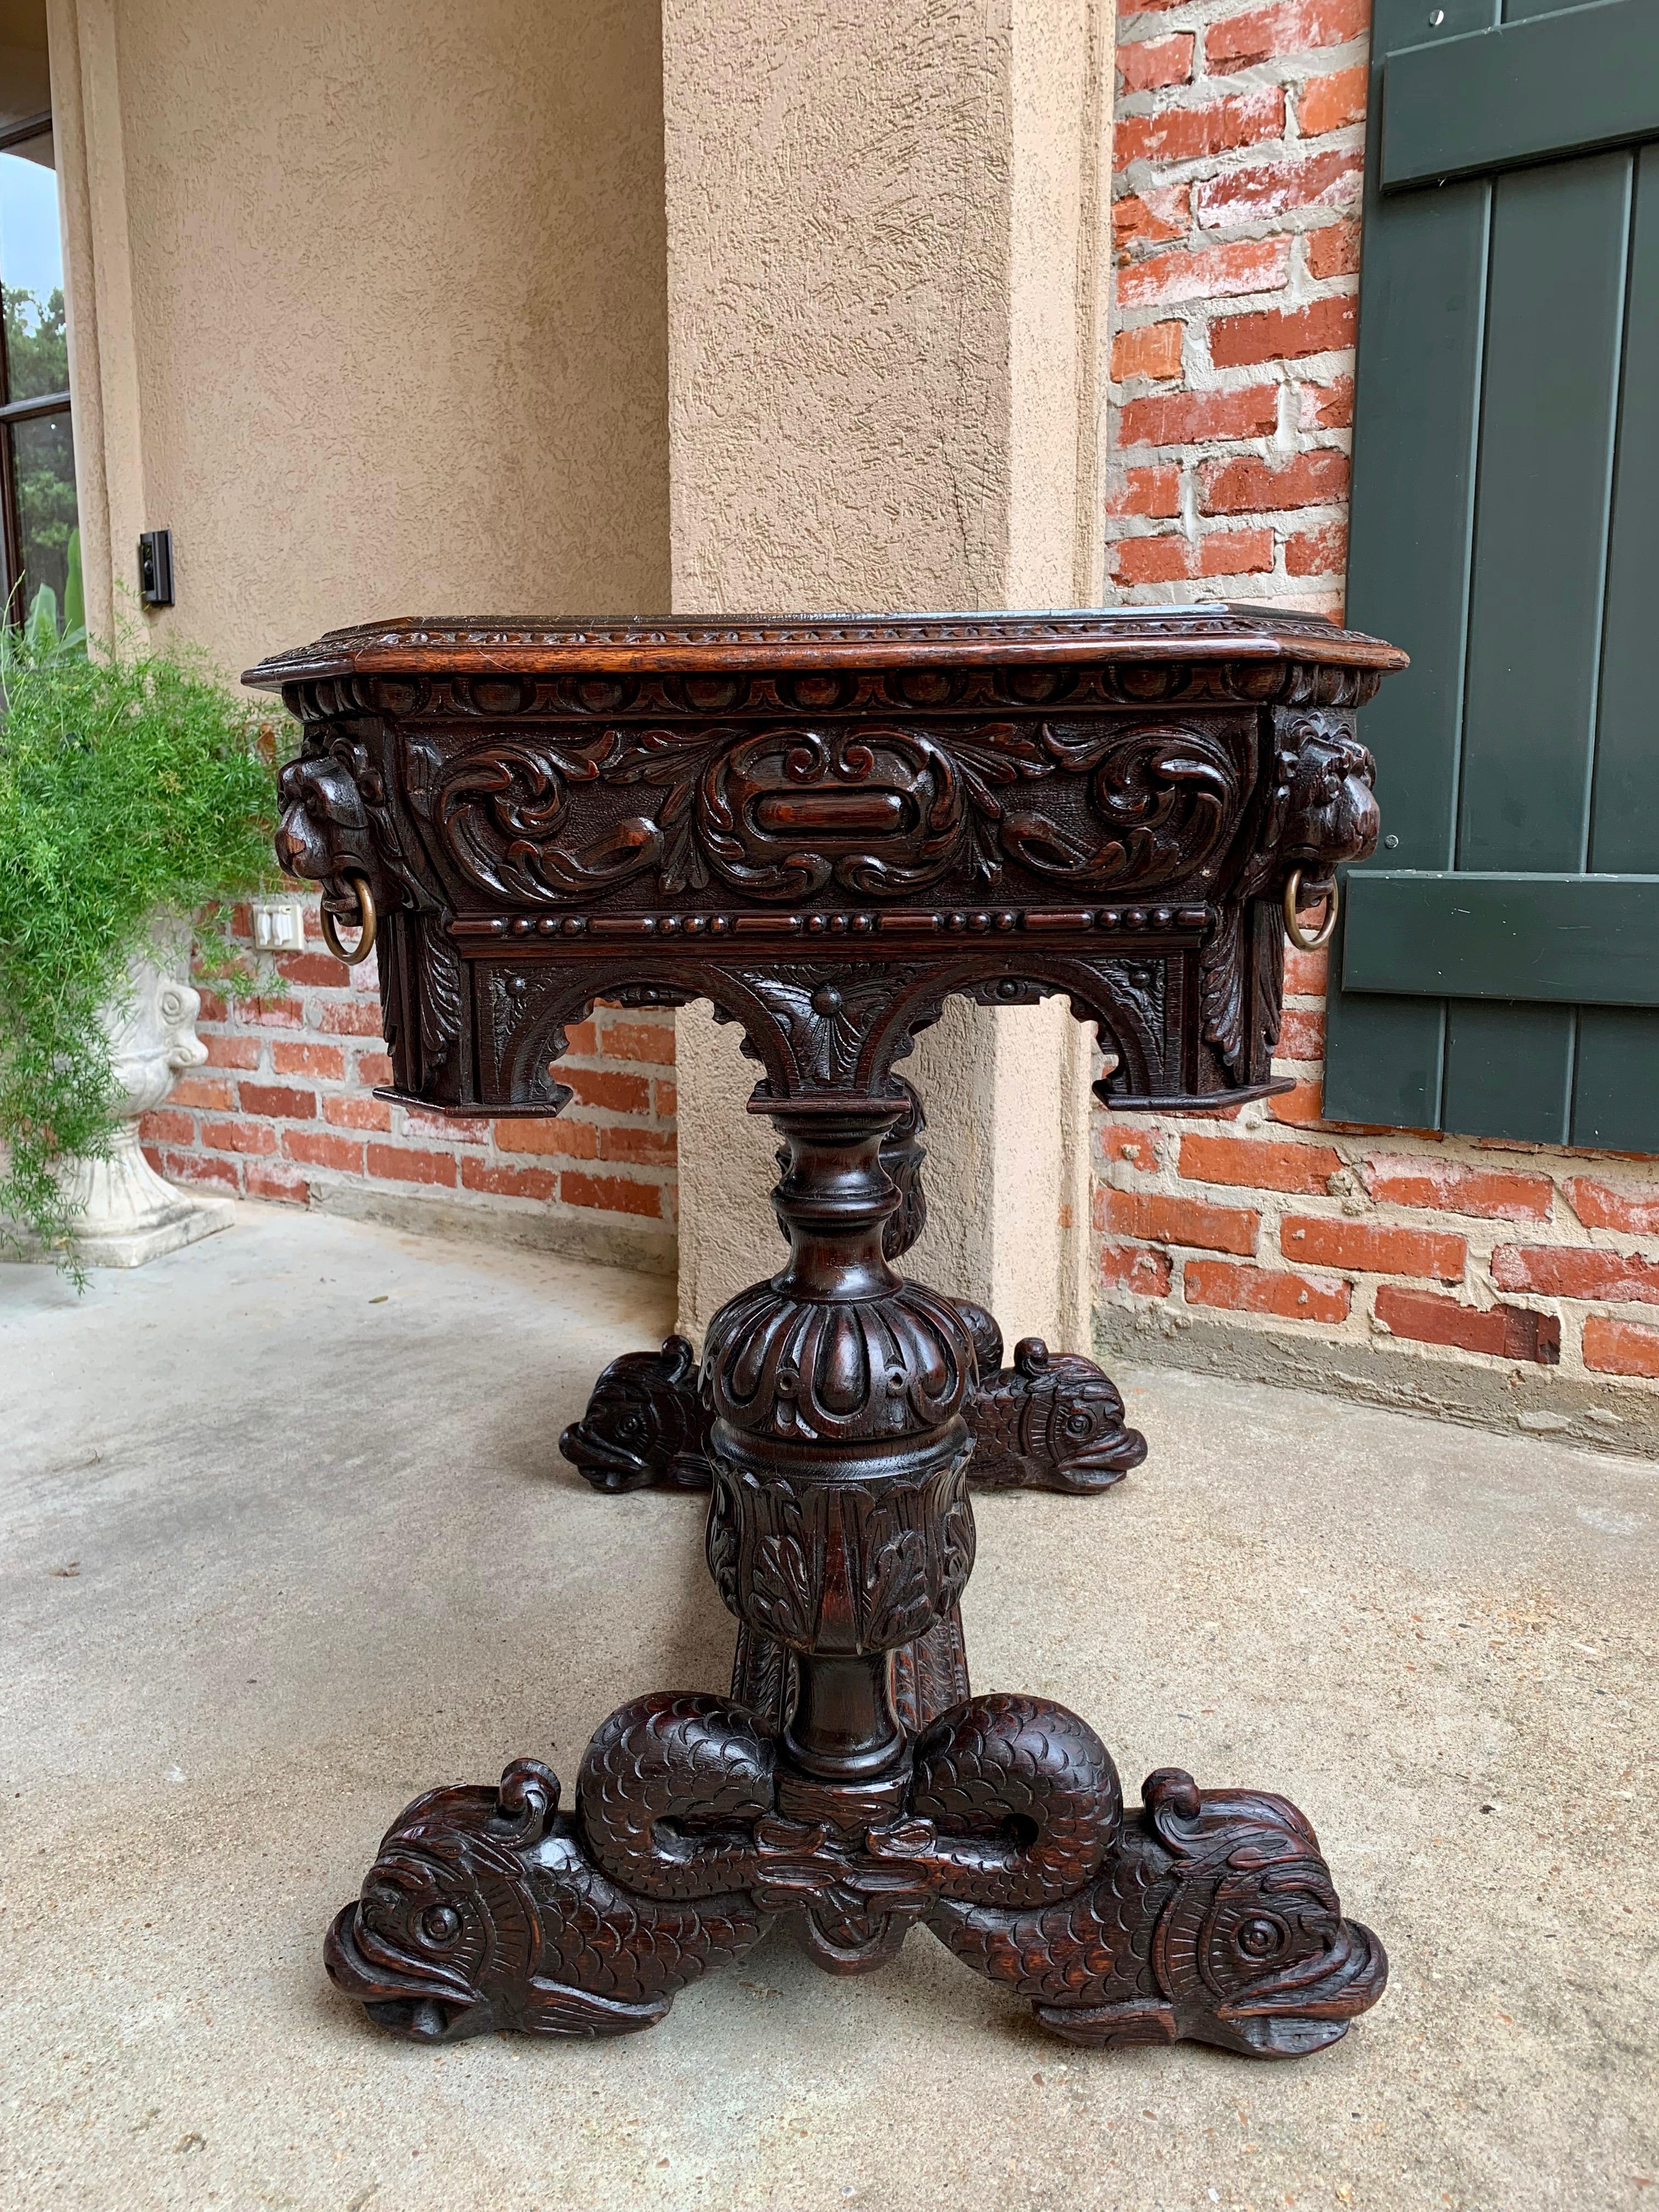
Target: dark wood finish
826 827
1046 1423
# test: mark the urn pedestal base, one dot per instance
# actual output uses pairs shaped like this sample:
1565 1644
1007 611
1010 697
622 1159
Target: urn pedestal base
124 1214
129 1215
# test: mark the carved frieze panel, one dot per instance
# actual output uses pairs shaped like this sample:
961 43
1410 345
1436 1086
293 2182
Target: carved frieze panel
875 811
677 811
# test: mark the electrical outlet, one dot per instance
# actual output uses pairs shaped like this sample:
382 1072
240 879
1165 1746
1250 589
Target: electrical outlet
279 925
156 569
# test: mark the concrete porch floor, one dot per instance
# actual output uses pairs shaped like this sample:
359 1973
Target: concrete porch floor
287 1538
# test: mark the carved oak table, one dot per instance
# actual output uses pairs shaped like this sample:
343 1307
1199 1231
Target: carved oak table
825 827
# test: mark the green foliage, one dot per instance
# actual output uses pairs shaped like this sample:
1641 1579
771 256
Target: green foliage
131 785
37 343
75 598
43 639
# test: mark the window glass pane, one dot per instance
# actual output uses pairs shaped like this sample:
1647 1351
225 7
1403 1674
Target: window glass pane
32 271
43 462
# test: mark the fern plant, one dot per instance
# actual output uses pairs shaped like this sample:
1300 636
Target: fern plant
132 786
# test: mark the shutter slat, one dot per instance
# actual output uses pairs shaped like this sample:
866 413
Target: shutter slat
1562 940
1625 797
1508 1070
1521 93
1549 404
1616 1081
1417 395
1549 409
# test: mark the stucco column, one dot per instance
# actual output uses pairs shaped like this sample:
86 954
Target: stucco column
885 261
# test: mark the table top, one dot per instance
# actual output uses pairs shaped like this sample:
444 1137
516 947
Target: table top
480 645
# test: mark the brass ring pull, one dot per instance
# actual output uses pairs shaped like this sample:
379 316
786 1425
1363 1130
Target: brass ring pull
366 921
1293 929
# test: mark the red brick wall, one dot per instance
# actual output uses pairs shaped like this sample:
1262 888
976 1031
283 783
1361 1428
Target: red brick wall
1238 151
1269 1218
284 1110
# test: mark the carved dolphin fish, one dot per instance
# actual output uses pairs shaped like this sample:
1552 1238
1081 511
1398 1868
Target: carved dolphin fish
1214 1920
487 1909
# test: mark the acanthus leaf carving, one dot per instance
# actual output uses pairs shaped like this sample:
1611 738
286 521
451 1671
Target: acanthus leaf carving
826 1015
441 987
898 1557
1221 986
785 1578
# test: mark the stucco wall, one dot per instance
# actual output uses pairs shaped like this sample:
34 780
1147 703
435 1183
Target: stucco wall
882 231
397 306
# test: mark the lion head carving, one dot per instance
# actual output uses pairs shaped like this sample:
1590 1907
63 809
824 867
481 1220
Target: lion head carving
1332 816
324 834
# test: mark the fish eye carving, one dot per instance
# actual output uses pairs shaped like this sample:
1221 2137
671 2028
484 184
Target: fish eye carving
1260 1938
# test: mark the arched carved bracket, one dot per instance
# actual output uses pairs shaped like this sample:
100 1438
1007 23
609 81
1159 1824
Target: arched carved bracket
818 1028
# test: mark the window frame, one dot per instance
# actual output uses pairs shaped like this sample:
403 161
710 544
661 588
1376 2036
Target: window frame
13 411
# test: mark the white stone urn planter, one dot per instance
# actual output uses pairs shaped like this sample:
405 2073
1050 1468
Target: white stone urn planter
127 1214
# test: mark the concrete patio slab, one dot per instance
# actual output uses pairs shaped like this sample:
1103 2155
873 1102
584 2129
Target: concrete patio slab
287 1538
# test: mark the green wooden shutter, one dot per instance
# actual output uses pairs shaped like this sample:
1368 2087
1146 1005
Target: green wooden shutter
1499 957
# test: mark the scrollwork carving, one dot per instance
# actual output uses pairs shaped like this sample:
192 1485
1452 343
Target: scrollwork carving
1167 799
505 812
877 809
